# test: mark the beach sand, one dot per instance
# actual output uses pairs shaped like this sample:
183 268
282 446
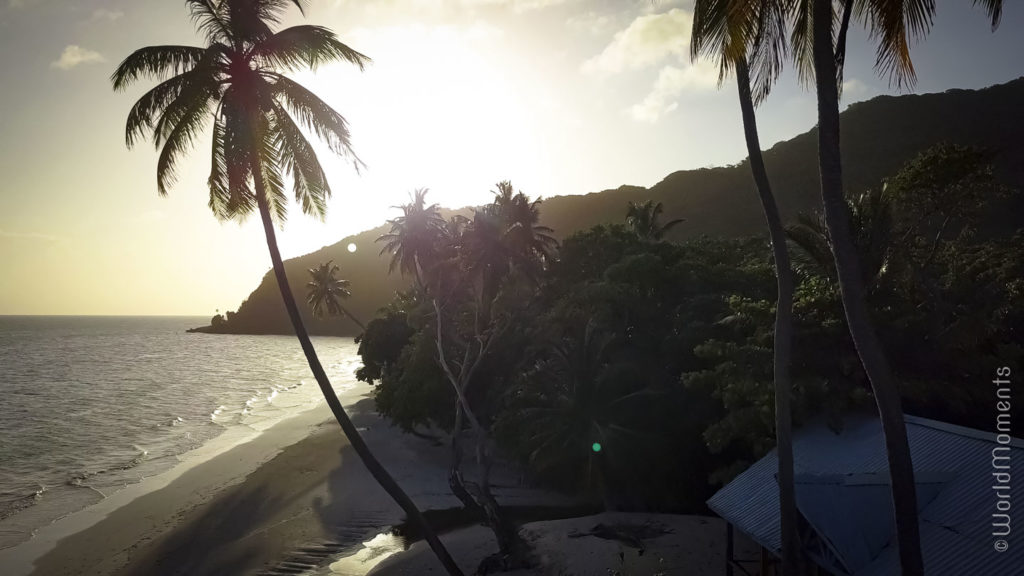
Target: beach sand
666 544
298 486
296 499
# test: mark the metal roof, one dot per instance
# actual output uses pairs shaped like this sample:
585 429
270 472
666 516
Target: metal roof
842 489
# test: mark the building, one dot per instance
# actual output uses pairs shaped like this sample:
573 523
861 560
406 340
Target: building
965 493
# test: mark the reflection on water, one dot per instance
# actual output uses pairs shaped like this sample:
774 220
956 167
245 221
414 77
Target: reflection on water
373 552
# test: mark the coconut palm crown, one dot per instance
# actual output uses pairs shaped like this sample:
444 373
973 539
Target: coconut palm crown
238 81
644 219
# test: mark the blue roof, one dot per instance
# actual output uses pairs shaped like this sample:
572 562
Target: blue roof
843 496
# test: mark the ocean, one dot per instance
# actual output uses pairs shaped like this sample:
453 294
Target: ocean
90 405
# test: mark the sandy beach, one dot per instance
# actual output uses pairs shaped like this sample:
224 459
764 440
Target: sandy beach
295 499
295 486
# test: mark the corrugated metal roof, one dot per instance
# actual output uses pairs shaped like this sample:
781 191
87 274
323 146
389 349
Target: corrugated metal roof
953 467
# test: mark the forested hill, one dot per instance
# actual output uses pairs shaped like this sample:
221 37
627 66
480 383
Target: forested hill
879 135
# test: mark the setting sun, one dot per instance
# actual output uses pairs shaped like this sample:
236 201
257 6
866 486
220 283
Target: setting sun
392 287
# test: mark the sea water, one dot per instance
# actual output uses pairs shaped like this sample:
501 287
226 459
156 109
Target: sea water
89 405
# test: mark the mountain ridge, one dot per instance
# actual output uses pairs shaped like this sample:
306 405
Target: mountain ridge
879 136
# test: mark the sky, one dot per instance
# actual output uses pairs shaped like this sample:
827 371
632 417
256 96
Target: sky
558 96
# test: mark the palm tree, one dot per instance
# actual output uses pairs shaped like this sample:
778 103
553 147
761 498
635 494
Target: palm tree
530 244
414 236
738 34
573 411
642 218
872 227
893 23
476 255
325 292
236 81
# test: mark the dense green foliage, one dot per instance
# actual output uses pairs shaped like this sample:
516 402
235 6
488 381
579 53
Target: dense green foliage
879 136
661 352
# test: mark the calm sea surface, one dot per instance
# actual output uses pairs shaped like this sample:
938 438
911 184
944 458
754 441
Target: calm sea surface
89 405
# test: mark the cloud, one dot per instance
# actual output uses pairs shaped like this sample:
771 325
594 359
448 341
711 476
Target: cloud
28 236
590 22
104 15
649 39
76 55
671 83
516 5
854 90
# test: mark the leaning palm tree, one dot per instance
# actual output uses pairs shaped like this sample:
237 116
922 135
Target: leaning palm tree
749 37
642 219
821 53
237 81
325 292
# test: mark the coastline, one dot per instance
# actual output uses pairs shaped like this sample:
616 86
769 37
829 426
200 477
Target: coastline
296 489
201 473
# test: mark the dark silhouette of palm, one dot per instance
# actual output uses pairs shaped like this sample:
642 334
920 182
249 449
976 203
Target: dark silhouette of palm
821 51
325 292
643 220
749 38
575 398
530 244
413 239
237 82
871 217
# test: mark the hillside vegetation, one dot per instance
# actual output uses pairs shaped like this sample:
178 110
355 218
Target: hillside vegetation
879 136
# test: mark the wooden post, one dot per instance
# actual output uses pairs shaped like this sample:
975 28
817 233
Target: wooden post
729 552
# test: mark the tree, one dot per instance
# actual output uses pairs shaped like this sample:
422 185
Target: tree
325 292
749 37
412 241
643 217
892 23
459 267
256 142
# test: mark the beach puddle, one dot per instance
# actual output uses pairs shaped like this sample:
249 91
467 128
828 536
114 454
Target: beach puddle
373 552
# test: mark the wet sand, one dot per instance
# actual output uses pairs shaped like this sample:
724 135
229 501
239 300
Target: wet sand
258 507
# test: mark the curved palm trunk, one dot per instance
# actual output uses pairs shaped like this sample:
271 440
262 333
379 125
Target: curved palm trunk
783 344
352 318
380 474
887 397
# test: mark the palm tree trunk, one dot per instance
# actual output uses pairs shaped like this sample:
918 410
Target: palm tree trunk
352 318
456 482
380 474
783 345
887 397
512 550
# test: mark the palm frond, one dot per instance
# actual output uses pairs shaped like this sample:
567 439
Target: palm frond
298 159
894 23
994 9
238 156
156 61
182 132
141 116
301 46
268 158
801 36
316 115
220 189
769 50
211 19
